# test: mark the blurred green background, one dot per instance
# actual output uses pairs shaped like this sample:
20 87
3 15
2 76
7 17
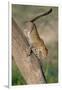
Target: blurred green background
48 30
17 78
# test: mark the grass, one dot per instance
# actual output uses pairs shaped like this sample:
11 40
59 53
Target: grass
17 78
51 74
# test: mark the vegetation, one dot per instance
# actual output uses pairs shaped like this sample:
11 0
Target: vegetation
17 78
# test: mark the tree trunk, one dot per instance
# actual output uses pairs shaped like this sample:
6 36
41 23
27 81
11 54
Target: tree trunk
28 65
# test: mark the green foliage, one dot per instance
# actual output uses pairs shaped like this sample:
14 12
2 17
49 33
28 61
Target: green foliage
51 74
17 78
